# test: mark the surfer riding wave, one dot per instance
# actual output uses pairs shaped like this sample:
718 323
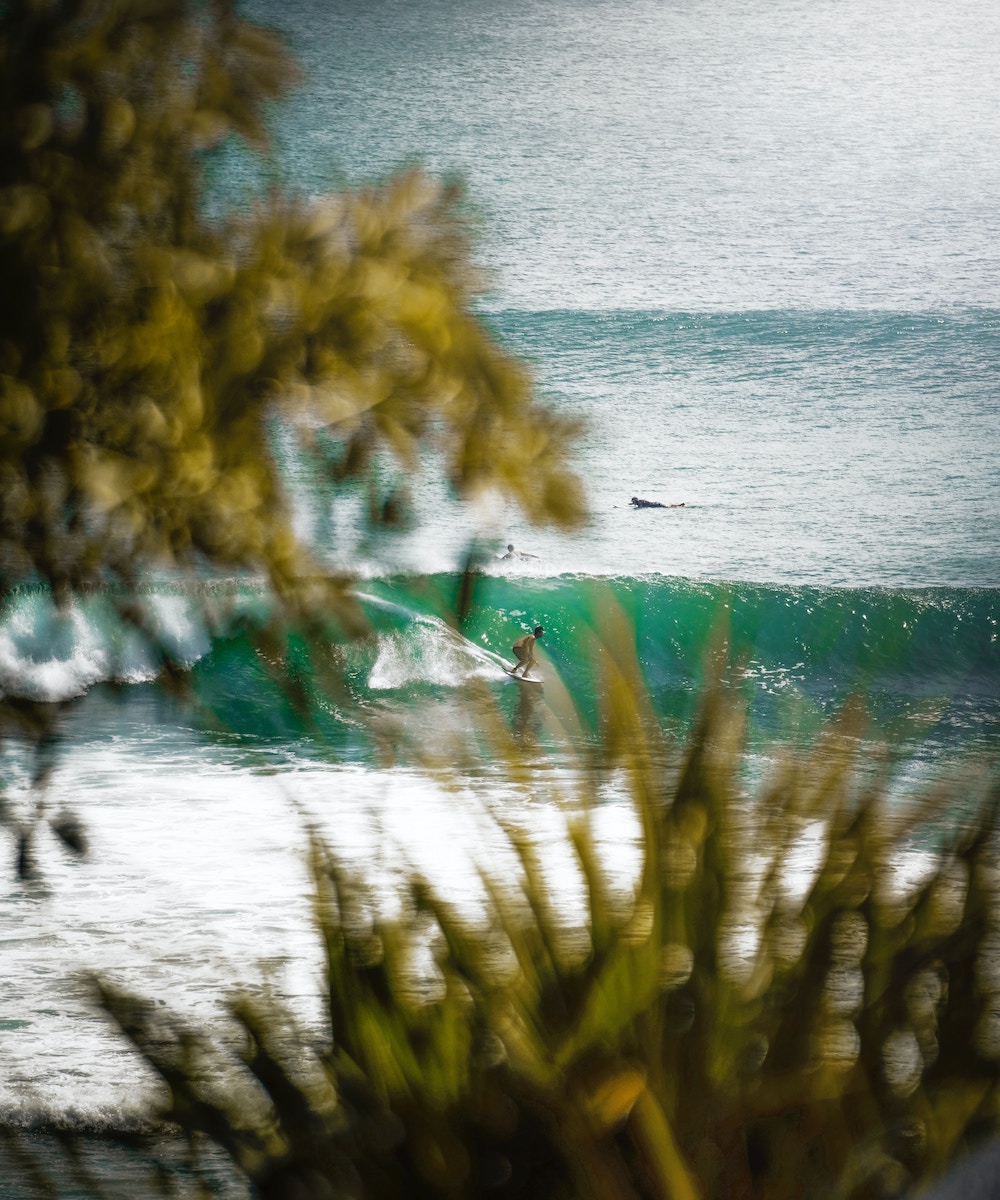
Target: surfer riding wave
524 652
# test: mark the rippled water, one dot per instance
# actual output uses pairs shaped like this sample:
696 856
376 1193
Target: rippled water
634 154
756 248
836 448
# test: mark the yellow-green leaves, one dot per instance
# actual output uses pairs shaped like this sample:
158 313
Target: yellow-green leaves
144 349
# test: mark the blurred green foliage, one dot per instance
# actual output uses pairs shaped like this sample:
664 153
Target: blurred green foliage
772 1013
144 348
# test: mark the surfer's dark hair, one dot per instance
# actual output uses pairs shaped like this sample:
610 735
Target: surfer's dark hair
539 631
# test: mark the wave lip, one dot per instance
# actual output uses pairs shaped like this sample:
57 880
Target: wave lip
50 653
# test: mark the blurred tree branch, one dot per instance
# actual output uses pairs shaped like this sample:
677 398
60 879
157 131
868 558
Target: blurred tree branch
144 348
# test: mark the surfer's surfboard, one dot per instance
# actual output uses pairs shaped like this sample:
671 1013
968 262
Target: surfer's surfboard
520 679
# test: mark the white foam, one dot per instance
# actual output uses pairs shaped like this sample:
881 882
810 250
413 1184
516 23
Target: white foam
428 651
50 653
197 884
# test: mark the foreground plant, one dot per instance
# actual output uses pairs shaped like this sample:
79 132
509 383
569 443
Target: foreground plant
770 1014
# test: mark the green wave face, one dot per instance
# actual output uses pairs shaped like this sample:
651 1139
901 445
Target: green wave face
928 662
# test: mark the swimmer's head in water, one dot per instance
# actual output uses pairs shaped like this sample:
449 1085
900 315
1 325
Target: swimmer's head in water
510 545
538 631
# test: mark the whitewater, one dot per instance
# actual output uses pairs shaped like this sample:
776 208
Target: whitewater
756 253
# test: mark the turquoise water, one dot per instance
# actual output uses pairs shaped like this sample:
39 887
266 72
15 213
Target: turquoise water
755 248
927 660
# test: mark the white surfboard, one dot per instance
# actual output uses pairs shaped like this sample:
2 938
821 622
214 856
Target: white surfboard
532 679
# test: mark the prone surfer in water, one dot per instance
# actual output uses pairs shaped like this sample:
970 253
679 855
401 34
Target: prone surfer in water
512 553
524 652
635 502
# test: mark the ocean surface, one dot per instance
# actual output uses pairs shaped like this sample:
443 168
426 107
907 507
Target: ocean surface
755 248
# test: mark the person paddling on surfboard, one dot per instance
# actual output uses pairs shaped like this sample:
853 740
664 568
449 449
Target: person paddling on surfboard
524 652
